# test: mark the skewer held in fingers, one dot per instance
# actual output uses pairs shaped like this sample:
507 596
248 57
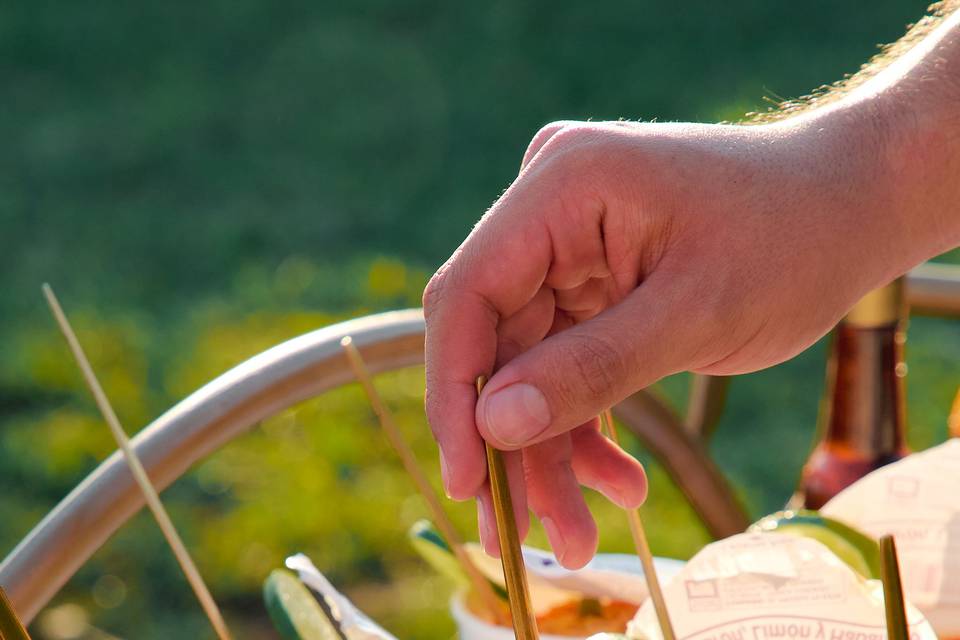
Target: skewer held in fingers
511 555
480 584
139 474
643 549
893 600
10 626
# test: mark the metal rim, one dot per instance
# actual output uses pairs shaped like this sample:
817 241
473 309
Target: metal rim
264 385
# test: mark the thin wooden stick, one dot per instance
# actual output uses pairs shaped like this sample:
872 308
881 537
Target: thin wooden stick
10 626
449 531
511 555
643 549
139 474
893 600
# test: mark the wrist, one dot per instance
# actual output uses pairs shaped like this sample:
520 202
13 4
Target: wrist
916 112
896 163
864 204
921 156
894 141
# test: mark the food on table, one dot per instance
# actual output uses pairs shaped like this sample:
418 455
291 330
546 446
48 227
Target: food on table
918 501
576 617
857 549
757 586
602 596
569 612
753 586
587 616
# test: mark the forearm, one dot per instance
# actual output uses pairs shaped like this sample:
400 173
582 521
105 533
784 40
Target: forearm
903 115
827 95
919 98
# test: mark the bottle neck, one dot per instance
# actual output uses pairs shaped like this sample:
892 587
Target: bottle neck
865 412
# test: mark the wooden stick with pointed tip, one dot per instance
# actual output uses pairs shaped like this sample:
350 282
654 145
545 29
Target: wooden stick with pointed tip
480 584
10 626
511 555
893 600
643 549
140 475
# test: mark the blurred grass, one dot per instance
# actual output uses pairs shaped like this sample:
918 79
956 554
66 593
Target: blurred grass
203 181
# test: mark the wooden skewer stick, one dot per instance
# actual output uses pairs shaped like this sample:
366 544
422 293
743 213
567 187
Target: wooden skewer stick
643 549
893 600
449 531
10 626
511 555
139 474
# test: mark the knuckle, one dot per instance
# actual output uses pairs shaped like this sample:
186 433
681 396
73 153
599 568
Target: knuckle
555 139
546 132
586 155
433 293
599 364
567 137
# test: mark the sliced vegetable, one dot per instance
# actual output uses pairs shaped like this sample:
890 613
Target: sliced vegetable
854 547
434 549
294 610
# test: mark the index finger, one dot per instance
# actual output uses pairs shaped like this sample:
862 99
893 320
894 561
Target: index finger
496 271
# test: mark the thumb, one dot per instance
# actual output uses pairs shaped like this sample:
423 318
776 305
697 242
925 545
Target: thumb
576 373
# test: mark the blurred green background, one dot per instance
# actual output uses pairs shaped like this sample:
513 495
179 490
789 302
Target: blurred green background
200 181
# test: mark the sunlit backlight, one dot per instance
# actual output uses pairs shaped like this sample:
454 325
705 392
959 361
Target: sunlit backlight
65 622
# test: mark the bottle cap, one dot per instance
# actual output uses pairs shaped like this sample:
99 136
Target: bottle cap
883 306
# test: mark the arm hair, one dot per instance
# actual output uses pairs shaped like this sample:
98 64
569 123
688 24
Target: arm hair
889 53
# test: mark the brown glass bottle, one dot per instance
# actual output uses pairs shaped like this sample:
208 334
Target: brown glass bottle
863 411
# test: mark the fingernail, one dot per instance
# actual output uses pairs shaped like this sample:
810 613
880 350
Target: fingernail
483 526
556 540
445 474
516 413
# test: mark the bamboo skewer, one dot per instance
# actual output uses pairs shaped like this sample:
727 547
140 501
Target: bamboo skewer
480 584
10 626
511 556
893 601
643 549
140 475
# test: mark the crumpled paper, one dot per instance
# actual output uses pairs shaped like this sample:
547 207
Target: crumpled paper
918 501
761 586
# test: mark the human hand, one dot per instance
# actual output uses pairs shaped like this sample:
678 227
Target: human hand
626 252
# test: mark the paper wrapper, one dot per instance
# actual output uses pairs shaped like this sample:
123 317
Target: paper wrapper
757 586
918 501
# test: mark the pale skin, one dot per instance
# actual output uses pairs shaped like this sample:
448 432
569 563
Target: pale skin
626 252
